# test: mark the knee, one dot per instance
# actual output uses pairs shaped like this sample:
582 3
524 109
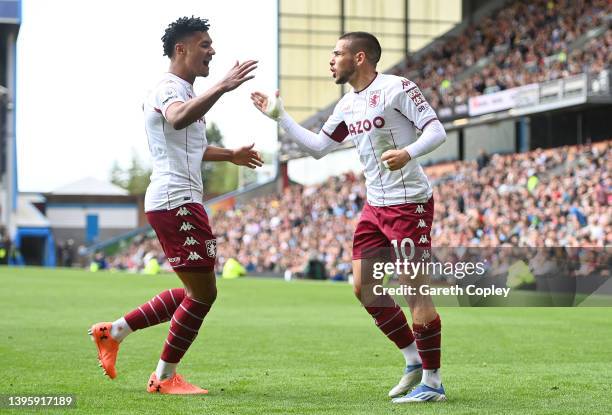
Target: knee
212 296
207 296
412 303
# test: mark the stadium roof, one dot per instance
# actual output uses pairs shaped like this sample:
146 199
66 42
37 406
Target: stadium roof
27 215
90 186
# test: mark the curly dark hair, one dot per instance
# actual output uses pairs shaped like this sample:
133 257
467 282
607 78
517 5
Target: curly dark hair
176 31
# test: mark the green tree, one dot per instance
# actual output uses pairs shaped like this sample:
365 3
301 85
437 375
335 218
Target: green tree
218 178
139 177
214 136
117 175
223 178
134 179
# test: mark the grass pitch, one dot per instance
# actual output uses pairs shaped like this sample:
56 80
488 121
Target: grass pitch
271 347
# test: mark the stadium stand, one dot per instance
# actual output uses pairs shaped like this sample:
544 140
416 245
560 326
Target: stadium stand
524 42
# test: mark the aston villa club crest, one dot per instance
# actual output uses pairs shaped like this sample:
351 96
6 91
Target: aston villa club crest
211 248
374 98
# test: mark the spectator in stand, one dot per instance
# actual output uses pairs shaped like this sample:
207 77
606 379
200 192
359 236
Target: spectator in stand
483 159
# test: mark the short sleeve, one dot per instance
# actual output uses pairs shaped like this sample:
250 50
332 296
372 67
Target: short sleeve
409 100
335 127
168 93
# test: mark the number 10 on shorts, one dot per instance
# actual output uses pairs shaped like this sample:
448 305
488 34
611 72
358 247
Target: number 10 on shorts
400 249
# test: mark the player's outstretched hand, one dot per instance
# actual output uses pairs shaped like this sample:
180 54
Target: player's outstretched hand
238 75
246 156
395 159
271 107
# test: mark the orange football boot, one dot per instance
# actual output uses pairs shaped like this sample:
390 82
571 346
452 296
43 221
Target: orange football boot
107 347
175 385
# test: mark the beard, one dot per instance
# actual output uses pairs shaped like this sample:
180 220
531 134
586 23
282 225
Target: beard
341 80
345 76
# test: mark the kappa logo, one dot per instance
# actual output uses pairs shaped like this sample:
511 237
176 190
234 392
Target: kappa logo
183 211
374 98
423 239
191 241
193 256
421 224
169 94
406 84
173 260
425 255
186 226
419 209
211 248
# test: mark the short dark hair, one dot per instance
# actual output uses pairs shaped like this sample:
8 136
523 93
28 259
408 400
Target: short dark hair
176 31
366 42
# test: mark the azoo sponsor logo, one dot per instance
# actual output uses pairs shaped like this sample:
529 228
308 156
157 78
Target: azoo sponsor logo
366 125
173 260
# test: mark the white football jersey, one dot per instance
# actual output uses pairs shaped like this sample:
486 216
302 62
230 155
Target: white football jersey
177 154
381 117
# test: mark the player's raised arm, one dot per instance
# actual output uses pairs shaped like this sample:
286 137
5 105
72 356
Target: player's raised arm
243 156
182 114
317 145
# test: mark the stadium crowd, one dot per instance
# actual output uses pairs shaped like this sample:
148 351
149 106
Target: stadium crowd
555 197
524 42
135 257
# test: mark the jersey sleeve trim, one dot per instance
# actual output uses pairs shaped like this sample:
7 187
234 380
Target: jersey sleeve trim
339 134
170 102
427 123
